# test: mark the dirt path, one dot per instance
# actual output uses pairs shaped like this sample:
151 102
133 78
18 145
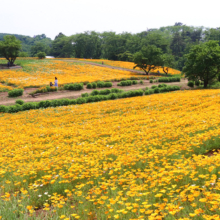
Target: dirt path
5 100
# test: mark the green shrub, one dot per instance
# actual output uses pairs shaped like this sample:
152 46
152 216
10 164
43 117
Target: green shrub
80 100
146 88
141 82
3 108
41 55
15 92
153 87
151 91
19 102
44 104
169 79
94 92
100 84
151 81
125 83
147 92
112 96
72 102
14 108
156 90
89 86
115 90
74 87
105 92
197 83
94 85
134 82
85 95
28 106
190 84
108 84
65 102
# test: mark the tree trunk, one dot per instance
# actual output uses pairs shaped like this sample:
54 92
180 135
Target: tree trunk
205 83
165 71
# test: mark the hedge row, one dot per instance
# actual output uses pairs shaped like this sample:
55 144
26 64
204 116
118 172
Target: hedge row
74 86
102 92
65 102
127 83
99 84
169 79
44 89
15 92
160 89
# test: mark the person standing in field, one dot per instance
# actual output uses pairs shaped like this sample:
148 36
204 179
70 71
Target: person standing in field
56 82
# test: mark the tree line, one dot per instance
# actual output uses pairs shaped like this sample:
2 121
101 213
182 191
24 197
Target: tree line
174 42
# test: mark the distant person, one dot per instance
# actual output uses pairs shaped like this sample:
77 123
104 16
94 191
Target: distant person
158 72
51 84
56 82
8 64
102 62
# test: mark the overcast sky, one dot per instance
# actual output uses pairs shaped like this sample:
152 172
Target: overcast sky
33 17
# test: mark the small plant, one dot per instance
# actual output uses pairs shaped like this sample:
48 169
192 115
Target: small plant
197 83
41 55
190 84
74 87
19 102
141 82
89 86
15 92
151 81
94 85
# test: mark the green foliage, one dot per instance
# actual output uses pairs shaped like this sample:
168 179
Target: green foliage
94 85
190 84
74 87
23 54
19 102
85 95
15 92
3 108
80 100
141 82
9 48
153 87
41 55
125 83
151 81
149 58
203 62
169 79
89 86
197 83
102 84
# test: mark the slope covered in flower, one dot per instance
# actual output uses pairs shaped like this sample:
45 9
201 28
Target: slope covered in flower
135 158
129 65
39 73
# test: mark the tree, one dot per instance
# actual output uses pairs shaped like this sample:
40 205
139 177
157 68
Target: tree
149 58
39 47
41 55
23 54
169 62
203 62
9 48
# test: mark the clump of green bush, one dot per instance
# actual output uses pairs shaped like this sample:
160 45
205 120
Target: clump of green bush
102 84
74 86
169 79
15 92
190 84
102 92
151 81
127 83
19 102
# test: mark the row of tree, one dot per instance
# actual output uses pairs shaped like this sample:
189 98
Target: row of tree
174 42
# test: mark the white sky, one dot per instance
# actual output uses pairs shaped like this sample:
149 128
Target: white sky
33 17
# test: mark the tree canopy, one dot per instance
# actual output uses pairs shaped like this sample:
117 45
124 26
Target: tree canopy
203 62
149 58
9 48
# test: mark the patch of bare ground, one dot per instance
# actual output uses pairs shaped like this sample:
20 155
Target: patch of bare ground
212 152
5 100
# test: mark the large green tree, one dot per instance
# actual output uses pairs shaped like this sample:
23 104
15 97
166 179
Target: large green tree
149 58
203 62
9 48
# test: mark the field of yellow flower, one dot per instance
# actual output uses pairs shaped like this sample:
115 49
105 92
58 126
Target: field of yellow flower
37 73
134 158
129 65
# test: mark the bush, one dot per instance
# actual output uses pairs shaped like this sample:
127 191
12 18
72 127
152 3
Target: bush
190 84
100 84
65 102
19 102
125 83
108 84
197 83
44 104
169 79
112 96
162 85
15 92
153 87
80 100
115 90
94 85
41 55
3 108
89 86
95 92
85 95
72 102
134 82
147 92
151 91
156 90
28 106
141 82
151 81
74 87
14 108
105 92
